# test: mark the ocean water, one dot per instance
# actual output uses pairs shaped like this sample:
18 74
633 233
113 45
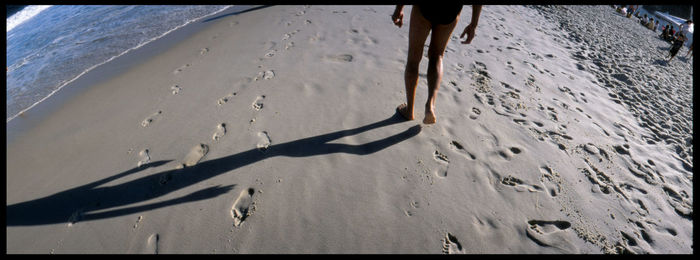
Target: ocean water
50 46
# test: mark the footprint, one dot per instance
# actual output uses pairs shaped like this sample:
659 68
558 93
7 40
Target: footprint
475 113
270 53
220 131
138 220
196 154
481 77
268 74
258 103
150 119
203 51
551 180
454 84
599 178
145 158
550 234
225 99
409 212
505 155
679 202
518 183
176 89
241 207
152 243
181 68
460 147
442 159
340 58
515 150
288 45
508 86
630 241
264 141
621 150
521 121
450 245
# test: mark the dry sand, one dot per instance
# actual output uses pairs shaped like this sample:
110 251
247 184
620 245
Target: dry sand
560 130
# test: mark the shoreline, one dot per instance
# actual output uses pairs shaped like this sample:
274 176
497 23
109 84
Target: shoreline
31 116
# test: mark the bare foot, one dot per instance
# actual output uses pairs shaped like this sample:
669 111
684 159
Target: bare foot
402 110
429 118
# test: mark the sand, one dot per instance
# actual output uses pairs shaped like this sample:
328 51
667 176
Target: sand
559 130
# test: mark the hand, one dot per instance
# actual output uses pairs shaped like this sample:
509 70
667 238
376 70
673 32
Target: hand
397 17
470 31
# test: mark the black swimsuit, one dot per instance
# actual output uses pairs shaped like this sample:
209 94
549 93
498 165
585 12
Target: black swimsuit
440 14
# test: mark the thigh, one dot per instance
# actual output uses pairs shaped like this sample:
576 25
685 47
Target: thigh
440 36
418 31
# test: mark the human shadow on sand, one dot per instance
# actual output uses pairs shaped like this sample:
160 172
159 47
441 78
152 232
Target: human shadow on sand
92 202
660 62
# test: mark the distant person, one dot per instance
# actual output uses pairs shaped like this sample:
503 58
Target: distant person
645 20
630 11
685 27
656 25
671 33
676 45
438 21
650 25
664 31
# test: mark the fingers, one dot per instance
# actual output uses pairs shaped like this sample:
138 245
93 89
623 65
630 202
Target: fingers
470 32
397 19
469 39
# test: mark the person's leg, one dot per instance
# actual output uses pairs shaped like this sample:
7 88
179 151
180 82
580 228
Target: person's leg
673 54
438 42
418 31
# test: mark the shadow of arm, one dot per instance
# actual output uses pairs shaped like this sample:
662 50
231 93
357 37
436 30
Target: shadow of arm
204 194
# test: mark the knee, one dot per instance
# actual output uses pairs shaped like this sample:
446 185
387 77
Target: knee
435 62
412 66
